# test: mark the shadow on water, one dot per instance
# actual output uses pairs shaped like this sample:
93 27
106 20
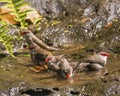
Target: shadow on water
38 92
46 92
3 55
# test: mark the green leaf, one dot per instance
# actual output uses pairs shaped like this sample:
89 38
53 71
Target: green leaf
21 5
9 5
5 38
14 6
26 11
8 1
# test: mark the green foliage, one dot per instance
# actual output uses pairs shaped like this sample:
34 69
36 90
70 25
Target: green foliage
14 6
6 38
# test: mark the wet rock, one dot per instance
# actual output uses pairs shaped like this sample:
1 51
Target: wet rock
79 21
84 22
58 8
112 90
92 9
12 92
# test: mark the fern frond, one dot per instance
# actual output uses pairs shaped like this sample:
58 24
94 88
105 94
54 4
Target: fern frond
5 38
14 6
21 5
7 1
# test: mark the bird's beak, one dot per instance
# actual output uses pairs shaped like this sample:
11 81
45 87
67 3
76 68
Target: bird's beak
107 54
23 33
47 59
68 75
32 47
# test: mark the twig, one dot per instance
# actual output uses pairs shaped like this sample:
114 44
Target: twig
76 66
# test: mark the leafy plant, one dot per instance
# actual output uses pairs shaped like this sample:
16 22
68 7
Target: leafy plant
6 38
14 7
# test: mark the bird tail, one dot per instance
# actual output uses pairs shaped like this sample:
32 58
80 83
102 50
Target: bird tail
80 67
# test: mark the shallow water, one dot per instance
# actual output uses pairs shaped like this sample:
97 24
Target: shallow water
15 72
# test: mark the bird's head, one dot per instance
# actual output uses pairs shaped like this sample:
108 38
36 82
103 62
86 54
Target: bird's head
49 58
68 73
23 32
104 54
32 47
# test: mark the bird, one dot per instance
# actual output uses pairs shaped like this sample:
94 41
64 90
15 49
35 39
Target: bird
60 65
38 53
97 61
28 35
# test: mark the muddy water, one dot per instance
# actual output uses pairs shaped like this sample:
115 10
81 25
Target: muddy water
15 72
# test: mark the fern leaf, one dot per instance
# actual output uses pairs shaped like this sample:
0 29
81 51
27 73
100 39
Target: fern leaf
21 5
14 6
25 12
17 2
10 6
7 1
5 38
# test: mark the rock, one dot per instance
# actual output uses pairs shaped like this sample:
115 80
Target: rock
58 8
81 20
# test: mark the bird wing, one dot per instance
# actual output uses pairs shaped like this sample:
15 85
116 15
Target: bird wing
95 59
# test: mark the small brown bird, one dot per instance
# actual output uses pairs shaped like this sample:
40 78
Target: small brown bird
59 65
31 38
97 61
37 47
